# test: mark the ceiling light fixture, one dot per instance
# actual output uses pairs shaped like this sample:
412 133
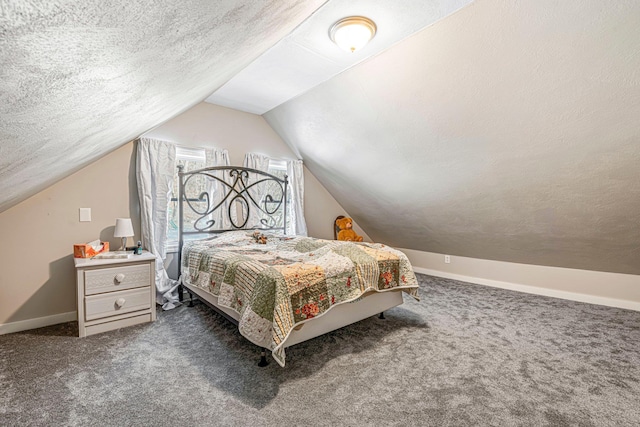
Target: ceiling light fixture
352 33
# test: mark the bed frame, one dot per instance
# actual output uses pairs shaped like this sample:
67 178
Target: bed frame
235 188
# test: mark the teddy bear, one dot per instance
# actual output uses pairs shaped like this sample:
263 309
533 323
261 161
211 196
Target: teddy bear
346 230
259 237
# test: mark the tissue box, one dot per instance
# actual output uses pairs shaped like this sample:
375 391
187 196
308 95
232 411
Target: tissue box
86 251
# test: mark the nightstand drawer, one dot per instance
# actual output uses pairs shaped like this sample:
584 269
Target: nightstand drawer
116 278
113 303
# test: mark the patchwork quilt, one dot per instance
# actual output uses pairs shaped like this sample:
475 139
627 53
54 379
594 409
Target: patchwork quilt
276 286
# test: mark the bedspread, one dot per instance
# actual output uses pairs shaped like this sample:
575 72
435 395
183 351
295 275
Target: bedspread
275 286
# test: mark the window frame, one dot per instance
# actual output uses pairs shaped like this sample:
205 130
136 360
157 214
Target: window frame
280 165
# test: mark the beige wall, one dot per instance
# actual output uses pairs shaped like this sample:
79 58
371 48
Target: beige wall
36 271
507 131
37 274
208 125
321 209
597 287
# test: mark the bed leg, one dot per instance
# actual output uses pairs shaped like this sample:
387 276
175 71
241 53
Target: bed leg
180 293
263 358
381 315
190 299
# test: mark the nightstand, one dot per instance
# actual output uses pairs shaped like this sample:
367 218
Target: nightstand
114 293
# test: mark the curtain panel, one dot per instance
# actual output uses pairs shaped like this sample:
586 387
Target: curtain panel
296 223
295 172
155 170
215 157
261 163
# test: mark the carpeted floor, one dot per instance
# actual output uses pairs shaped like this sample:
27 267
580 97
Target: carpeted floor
465 355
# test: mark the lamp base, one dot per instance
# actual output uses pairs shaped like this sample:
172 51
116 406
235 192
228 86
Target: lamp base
123 247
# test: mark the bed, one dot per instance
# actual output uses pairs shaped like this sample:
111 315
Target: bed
290 288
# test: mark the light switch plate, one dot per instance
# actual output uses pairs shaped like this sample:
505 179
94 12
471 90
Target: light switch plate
85 214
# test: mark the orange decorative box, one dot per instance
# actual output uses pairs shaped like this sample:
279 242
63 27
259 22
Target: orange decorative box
86 250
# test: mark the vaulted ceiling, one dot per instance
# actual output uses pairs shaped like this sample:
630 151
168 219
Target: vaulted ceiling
307 57
508 131
80 78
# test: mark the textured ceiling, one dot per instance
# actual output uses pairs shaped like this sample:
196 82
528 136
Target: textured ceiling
79 79
308 57
507 131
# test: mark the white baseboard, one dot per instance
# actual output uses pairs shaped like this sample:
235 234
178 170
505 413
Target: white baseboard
591 299
39 322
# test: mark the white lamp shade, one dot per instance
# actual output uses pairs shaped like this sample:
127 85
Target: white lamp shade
124 228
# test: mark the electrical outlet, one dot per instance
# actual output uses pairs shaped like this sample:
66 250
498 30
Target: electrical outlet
447 259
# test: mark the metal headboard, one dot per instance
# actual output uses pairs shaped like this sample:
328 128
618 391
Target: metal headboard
237 188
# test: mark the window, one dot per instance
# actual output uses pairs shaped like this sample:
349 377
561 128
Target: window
279 168
191 159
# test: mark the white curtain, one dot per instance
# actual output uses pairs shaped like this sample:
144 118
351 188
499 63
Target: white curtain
261 163
217 190
295 173
155 168
296 223
256 161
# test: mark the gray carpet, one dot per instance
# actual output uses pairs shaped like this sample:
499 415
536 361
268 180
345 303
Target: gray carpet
465 355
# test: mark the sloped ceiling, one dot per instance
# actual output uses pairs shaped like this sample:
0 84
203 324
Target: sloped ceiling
508 131
80 78
307 57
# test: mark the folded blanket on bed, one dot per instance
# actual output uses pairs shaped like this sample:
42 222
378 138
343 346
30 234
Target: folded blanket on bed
290 280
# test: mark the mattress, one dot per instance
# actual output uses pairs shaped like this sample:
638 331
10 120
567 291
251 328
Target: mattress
275 287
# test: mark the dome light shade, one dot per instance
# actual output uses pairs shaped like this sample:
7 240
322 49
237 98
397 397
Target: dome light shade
352 33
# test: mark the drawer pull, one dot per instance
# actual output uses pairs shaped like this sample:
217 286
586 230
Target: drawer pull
120 302
119 277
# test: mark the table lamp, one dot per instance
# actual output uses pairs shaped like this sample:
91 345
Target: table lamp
124 229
